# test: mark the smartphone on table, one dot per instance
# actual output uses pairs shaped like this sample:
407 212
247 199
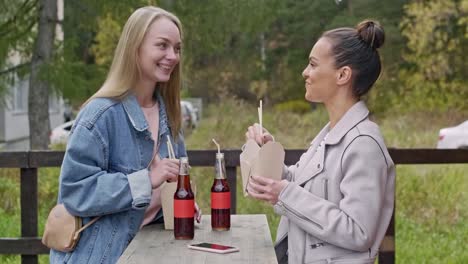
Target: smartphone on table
215 248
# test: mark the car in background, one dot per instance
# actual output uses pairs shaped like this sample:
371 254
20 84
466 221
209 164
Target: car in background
189 115
453 137
59 135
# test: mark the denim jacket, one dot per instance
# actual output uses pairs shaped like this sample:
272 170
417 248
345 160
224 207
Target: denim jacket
105 173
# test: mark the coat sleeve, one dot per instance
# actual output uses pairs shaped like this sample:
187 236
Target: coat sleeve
288 172
87 188
352 223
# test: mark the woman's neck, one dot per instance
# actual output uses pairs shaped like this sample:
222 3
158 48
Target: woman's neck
337 109
144 93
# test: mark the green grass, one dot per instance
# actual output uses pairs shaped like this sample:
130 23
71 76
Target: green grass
431 208
10 217
431 216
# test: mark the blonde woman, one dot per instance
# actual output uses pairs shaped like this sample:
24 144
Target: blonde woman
117 155
336 202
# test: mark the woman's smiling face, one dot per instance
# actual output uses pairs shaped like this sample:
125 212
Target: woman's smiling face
159 52
320 75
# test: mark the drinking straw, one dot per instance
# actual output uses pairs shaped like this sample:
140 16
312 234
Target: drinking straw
170 149
260 118
216 145
219 152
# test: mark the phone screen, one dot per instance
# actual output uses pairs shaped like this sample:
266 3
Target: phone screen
212 246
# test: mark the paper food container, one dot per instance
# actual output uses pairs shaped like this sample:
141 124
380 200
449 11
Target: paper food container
167 200
266 161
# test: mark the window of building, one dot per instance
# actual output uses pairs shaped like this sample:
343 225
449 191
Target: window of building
20 95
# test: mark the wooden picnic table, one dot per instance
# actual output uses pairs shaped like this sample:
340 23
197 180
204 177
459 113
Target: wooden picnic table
250 233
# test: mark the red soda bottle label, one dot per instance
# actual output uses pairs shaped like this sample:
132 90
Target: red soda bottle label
184 208
221 200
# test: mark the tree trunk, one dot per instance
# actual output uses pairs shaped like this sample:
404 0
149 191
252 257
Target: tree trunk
38 100
350 8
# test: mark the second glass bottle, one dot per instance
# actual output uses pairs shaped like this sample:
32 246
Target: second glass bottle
220 197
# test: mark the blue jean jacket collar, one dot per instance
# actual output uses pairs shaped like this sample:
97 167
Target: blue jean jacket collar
163 123
137 118
134 113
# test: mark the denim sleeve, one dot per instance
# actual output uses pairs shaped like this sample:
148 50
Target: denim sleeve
87 188
140 186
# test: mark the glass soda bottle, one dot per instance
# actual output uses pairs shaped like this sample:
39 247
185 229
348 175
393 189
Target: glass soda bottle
220 197
184 204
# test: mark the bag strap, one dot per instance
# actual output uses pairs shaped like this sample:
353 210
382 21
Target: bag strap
77 233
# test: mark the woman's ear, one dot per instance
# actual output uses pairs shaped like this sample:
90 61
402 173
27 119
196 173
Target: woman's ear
344 75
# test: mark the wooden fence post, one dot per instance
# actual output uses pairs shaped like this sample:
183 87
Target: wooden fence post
29 209
231 178
387 247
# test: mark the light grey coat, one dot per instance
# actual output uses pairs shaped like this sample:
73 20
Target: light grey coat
341 213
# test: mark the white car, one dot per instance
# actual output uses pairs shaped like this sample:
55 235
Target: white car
453 137
189 115
59 135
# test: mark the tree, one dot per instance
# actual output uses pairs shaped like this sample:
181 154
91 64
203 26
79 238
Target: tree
38 99
16 28
437 39
81 66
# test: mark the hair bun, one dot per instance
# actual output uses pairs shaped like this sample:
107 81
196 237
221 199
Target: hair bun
371 32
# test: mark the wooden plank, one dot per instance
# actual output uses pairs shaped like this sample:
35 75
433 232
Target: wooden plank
24 245
391 226
386 258
406 156
203 158
387 249
29 259
15 159
232 157
428 156
231 174
25 159
387 245
207 158
28 189
248 232
292 156
38 159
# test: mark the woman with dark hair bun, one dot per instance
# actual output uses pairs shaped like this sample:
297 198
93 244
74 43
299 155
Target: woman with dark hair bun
336 202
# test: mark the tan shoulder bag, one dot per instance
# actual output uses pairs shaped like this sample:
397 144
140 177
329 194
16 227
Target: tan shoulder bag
62 230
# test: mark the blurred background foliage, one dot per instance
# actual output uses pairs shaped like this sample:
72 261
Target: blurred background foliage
254 50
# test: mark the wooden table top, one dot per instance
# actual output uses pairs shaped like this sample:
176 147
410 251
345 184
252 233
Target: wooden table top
250 233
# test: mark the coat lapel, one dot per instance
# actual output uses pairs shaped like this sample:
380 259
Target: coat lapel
350 119
307 171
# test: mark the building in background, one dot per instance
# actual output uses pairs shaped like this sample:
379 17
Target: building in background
14 122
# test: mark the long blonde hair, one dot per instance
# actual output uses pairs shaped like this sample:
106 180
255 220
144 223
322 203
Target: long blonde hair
125 71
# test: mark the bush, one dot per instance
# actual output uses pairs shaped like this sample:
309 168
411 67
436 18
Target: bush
295 106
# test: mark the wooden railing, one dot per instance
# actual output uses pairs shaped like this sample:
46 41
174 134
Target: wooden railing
29 244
